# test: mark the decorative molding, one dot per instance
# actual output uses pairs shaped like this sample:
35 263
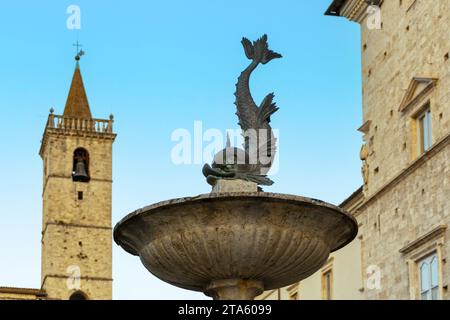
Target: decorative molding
354 10
81 277
365 127
411 97
437 232
84 128
23 291
72 225
61 276
355 197
328 264
435 149
293 291
293 286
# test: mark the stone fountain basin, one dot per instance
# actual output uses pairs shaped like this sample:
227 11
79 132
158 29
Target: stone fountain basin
276 239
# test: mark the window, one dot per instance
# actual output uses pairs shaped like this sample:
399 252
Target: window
424 257
80 168
429 278
80 195
327 285
424 136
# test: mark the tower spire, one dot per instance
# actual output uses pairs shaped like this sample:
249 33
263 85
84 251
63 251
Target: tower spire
77 104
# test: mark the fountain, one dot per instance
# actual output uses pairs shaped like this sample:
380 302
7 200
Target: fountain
237 241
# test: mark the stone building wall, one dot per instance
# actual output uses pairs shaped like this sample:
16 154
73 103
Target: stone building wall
408 210
406 196
413 42
403 211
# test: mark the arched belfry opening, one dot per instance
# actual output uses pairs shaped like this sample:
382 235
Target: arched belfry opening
80 171
78 295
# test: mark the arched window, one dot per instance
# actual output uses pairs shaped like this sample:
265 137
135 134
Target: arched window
429 278
78 295
80 170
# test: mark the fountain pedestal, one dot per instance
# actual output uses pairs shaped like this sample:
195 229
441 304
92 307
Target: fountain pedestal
232 186
234 289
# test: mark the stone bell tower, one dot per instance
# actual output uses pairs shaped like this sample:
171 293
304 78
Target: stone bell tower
77 183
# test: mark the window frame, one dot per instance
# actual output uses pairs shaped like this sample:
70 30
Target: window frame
294 291
428 263
424 127
327 279
419 249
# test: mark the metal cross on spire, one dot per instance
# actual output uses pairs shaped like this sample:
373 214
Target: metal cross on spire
80 52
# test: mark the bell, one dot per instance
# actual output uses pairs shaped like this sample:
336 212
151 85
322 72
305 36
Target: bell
80 173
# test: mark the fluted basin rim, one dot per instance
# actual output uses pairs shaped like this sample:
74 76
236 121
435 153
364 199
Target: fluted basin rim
154 208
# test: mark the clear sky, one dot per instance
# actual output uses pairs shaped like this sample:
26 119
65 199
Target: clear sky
159 66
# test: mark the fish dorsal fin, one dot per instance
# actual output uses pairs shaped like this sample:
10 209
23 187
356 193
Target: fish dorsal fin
268 107
228 140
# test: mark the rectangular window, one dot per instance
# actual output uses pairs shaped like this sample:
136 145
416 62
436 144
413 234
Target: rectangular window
80 195
429 278
424 136
327 285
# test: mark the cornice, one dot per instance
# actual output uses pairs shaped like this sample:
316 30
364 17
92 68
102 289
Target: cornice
73 225
434 150
437 232
353 10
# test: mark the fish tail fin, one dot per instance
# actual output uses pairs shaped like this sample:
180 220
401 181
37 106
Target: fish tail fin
248 48
259 51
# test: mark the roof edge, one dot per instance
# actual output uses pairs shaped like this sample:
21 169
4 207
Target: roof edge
355 194
335 8
27 291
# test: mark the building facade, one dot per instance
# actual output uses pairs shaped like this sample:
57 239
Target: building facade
403 208
77 197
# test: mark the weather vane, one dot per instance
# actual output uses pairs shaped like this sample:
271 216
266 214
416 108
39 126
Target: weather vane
80 52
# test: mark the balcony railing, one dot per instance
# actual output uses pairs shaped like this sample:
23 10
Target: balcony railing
89 125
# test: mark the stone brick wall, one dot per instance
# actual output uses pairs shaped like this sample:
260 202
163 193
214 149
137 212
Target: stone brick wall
414 206
77 233
408 196
413 42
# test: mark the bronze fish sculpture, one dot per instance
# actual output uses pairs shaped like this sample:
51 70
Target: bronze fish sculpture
254 162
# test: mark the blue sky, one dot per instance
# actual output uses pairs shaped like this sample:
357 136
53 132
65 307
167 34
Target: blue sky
159 66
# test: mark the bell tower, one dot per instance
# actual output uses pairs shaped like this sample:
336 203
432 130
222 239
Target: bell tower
77 184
